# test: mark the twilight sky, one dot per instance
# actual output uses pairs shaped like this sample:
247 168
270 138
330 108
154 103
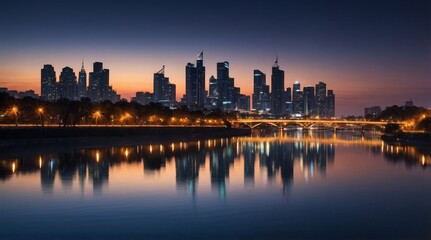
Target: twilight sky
370 52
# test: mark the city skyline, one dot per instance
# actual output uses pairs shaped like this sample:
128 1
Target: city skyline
369 55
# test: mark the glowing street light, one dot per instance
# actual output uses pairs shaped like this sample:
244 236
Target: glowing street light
125 117
15 111
40 111
96 116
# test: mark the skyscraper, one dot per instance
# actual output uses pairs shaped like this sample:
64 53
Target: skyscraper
277 90
164 91
98 87
261 97
48 83
67 85
82 83
200 73
225 86
298 102
320 99
330 104
213 93
191 84
195 83
288 100
309 101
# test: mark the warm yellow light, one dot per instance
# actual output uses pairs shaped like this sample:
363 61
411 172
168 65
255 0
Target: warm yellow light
126 152
13 167
97 157
423 160
40 161
40 110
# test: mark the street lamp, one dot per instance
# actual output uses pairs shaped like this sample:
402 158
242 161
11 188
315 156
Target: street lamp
15 111
97 115
40 111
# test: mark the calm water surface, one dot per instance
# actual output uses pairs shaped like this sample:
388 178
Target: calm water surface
295 185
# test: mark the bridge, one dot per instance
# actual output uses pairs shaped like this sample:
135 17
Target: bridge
308 123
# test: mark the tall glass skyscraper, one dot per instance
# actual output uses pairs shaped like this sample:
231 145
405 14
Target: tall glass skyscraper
261 97
48 83
195 83
277 91
68 85
82 83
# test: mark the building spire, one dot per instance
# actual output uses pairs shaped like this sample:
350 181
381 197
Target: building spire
201 56
82 67
162 71
276 61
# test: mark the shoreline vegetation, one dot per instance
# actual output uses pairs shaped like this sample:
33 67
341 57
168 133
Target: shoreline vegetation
408 138
99 136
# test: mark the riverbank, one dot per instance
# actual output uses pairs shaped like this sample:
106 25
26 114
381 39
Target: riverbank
98 136
408 138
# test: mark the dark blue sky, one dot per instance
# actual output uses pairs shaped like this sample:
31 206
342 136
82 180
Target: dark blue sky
379 49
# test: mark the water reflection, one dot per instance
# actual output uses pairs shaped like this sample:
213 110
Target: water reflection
274 157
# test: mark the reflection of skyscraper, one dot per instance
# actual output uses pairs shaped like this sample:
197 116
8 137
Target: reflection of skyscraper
98 172
219 167
249 160
67 166
187 170
277 90
47 176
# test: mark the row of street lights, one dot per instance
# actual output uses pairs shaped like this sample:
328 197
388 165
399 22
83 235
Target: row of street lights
97 115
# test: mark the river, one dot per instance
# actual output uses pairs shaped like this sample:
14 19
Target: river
271 185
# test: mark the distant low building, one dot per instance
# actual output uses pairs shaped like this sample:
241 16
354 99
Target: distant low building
409 103
371 112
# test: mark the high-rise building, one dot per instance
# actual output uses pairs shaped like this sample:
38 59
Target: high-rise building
98 87
67 85
298 102
212 100
288 100
191 85
309 101
277 90
195 83
143 97
330 104
48 83
320 99
372 112
164 91
261 96
200 73
213 93
296 86
82 83
225 86
244 102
